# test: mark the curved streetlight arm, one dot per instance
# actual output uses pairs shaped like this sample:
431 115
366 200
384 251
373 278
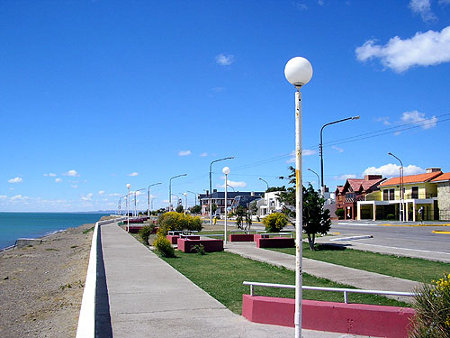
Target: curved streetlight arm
210 183
262 179
170 188
318 179
401 187
321 146
149 197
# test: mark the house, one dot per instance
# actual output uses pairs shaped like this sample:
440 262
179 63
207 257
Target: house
218 198
443 195
269 203
418 191
354 190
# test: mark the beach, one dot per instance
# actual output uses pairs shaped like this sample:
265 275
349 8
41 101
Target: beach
41 285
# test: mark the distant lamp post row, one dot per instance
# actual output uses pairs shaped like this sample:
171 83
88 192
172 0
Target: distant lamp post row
149 197
402 193
321 148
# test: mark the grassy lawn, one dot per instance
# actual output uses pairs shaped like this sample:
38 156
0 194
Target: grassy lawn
415 269
221 275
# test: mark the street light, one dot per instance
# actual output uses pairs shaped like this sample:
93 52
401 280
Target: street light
149 197
210 184
170 188
321 147
135 202
226 171
402 206
261 179
195 196
298 71
231 187
185 197
318 183
128 207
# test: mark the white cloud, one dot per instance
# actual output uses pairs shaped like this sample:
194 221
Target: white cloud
133 174
423 8
184 153
233 184
224 60
3 197
391 170
87 197
101 192
345 177
423 49
384 120
71 173
114 194
50 175
338 149
15 180
58 180
203 154
417 118
17 197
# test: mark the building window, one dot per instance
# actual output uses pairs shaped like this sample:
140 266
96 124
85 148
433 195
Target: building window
415 192
385 195
392 194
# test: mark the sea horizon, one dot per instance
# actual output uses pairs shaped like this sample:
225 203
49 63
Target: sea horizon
15 225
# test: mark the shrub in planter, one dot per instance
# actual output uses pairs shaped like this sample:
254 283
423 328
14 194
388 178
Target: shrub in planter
275 222
176 221
163 247
432 305
340 213
145 233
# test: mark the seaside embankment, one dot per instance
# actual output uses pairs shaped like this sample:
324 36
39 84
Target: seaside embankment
41 285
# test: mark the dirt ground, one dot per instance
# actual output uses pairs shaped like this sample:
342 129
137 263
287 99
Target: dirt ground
41 285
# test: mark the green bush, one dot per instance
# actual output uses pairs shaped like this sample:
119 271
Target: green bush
275 222
340 213
432 305
163 247
200 249
178 222
145 233
390 217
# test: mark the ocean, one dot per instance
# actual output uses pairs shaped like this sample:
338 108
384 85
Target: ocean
14 225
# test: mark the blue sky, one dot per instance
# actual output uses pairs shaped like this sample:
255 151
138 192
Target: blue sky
98 94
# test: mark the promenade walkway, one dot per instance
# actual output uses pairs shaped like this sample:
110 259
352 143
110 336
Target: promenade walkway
358 278
148 298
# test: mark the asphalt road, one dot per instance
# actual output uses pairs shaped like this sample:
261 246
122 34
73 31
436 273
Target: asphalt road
397 235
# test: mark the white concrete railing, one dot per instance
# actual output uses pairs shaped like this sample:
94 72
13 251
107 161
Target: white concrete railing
318 288
86 319
290 234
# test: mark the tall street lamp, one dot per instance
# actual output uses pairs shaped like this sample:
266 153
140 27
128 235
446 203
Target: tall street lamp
298 71
267 184
170 188
321 147
185 198
210 184
128 207
135 201
226 171
195 196
402 196
318 181
149 197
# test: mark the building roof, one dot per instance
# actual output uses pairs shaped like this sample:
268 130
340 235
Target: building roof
364 184
421 178
339 189
442 178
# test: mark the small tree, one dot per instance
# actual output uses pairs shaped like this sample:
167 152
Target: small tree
316 219
179 209
275 222
214 208
196 209
340 213
240 214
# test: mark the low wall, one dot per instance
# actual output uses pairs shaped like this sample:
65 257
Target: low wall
241 237
210 245
275 242
358 319
258 236
173 238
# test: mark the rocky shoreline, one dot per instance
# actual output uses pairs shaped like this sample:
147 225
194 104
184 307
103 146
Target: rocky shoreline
41 285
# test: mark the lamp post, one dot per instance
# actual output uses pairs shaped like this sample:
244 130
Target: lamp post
149 197
231 187
135 201
402 206
185 198
195 196
298 71
226 171
267 184
170 188
210 184
318 180
128 207
321 147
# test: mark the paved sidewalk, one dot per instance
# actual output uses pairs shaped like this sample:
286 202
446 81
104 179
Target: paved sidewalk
148 298
354 277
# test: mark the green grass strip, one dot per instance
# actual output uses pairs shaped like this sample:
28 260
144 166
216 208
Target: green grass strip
221 275
416 269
